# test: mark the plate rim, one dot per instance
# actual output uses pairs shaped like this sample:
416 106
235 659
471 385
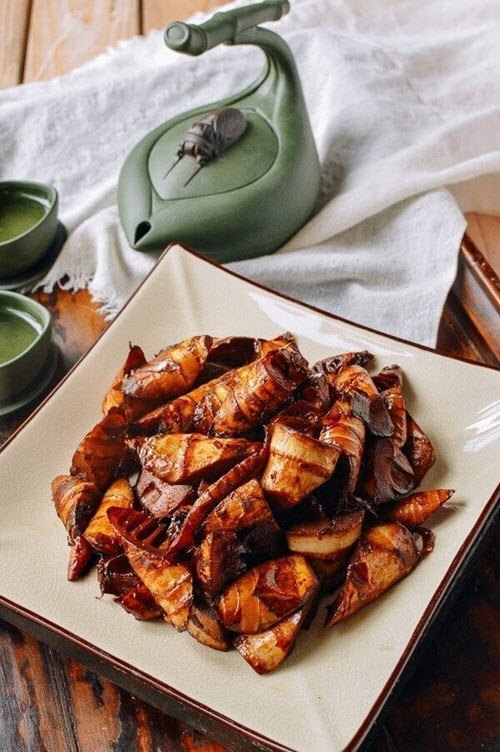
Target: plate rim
120 671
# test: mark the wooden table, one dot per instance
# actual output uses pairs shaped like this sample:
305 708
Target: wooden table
51 704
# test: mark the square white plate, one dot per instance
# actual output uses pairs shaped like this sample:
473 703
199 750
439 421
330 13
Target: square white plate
329 692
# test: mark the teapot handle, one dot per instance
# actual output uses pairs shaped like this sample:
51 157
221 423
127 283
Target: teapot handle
222 27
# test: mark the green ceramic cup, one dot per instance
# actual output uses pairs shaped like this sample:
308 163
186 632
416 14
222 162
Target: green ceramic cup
28 224
25 332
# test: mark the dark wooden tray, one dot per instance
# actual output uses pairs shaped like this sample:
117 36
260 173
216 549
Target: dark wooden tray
470 325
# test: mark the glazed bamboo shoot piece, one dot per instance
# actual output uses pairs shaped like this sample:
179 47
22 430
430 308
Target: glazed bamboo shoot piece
189 457
311 402
233 352
326 540
345 431
102 451
219 559
186 412
174 417
76 500
267 593
335 363
262 388
385 554
171 373
388 377
115 575
297 465
222 555
139 602
80 558
267 650
205 627
419 450
245 507
266 346
210 401
99 532
162 499
395 404
140 530
171 585
132 408
416 508
390 473
355 382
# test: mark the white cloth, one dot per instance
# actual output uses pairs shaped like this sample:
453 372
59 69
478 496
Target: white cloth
403 96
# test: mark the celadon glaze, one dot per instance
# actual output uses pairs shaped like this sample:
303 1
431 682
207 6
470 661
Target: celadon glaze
25 330
17 332
262 189
18 214
28 224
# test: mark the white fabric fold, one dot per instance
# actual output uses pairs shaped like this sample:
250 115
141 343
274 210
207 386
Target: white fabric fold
354 275
403 98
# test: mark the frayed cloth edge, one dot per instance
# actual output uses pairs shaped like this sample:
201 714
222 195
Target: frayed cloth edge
109 303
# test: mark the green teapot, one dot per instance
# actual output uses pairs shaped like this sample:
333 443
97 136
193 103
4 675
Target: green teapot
233 179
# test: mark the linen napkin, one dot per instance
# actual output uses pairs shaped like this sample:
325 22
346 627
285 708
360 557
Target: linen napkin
403 100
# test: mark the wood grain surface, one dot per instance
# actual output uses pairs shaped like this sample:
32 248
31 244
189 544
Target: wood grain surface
51 704
66 33
157 13
15 22
484 231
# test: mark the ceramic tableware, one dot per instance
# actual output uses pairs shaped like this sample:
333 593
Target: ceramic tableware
25 331
235 178
28 224
40 268
331 690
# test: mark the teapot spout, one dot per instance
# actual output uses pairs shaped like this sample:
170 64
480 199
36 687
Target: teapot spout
141 231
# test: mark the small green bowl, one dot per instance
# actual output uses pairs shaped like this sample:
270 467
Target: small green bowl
28 224
25 331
